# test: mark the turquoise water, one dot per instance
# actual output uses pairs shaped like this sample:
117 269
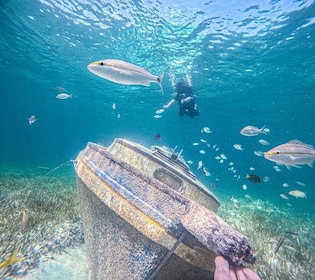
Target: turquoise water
250 63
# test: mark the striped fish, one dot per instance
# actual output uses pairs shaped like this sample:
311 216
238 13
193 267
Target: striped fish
123 72
293 153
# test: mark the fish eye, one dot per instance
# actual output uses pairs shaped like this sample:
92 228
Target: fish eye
102 63
277 153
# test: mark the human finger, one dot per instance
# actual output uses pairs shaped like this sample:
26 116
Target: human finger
240 274
232 273
251 275
222 271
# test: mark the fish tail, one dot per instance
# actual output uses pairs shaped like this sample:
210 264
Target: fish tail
160 80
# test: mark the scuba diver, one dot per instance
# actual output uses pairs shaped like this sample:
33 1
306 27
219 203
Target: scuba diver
185 99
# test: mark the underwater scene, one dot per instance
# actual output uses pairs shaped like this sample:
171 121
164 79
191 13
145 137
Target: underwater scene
228 84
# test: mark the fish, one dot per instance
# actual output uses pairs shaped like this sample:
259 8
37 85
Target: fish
223 156
64 96
200 164
253 178
284 196
23 224
43 167
157 116
206 130
300 183
279 243
292 153
263 142
202 152
32 119
253 131
285 185
238 147
258 153
266 179
122 72
206 172
297 194
244 187
195 144
11 260
157 136
276 168
114 106
159 111
235 202
190 161
60 89
291 232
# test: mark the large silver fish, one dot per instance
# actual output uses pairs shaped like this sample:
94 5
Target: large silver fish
293 153
125 73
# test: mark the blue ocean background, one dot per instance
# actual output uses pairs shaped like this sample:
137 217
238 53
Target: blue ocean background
250 63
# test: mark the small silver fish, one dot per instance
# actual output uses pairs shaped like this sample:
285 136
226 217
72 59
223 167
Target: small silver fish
206 172
64 96
206 130
297 194
238 147
200 164
122 72
32 119
284 196
263 142
279 243
293 153
235 202
253 131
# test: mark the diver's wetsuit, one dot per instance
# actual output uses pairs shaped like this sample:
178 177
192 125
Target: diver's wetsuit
189 107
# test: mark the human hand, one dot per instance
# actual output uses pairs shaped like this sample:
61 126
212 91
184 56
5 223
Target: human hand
225 271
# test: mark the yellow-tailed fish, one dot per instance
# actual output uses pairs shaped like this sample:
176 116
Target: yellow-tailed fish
125 73
293 153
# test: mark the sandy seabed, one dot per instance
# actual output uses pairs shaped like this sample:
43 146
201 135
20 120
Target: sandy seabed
52 242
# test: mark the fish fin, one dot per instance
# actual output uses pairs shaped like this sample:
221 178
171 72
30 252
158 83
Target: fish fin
310 164
292 165
299 142
247 176
160 80
288 167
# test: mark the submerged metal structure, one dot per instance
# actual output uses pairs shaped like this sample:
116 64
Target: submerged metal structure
146 216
